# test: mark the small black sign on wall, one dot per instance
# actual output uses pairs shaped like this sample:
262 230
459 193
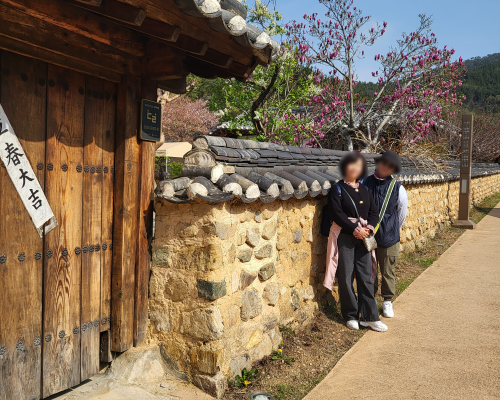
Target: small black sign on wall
150 121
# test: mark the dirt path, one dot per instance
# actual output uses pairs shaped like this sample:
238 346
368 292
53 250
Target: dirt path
444 342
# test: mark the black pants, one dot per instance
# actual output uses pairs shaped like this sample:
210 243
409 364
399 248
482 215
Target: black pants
355 260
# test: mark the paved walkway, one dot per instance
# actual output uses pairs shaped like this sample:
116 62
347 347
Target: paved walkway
444 342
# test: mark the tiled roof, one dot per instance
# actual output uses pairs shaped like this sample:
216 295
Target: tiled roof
228 17
220 169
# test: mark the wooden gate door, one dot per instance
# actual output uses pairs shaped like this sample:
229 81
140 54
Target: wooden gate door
55 291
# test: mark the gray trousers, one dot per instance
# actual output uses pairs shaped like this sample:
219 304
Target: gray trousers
387 257
355 261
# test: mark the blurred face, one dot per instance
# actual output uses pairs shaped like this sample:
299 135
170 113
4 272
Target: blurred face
385 168
354 170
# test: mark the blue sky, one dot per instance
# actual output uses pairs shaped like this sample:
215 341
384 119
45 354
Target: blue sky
471 27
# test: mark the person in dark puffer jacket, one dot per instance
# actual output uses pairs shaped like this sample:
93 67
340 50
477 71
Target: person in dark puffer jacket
388 234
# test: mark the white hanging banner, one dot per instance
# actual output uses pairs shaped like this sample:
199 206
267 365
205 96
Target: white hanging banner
23 177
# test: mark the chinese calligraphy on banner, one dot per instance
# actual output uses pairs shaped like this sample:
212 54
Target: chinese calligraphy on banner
24 178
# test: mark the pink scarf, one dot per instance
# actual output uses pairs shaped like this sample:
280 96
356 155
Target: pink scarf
332 255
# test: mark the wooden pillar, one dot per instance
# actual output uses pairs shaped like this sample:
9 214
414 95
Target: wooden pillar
145 227
126 211
463 221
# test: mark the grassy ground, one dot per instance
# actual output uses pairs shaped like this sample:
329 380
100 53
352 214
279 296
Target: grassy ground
316 349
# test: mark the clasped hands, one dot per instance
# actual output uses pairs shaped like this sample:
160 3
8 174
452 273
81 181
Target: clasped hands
362 233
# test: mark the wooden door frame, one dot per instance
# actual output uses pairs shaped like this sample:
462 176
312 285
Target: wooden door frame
133 217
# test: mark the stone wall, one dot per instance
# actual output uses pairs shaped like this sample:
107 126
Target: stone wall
225 276
433 206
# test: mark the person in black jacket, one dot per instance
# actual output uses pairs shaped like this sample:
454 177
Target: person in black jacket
346 200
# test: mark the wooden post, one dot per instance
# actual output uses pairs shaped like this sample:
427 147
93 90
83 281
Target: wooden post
126 210
146 194
24 101
64 191
463 221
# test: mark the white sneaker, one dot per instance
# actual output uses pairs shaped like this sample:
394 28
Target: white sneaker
353 325
378 326
388 311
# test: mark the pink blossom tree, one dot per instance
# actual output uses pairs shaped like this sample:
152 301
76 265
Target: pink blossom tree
417 80
183 118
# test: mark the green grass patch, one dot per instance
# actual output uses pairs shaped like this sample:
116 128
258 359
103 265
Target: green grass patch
286 330
283 392
426 262
402 284
479 211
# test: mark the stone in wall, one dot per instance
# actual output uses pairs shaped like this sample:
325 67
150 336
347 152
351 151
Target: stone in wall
241 238
160 319
253 237
264 251
245 255
232 253
267 214
282 242
239 363
234 315
262 349
295 299
211 290
256 337
270 323
206 361
201 258
176 289
187 230
308 292
213 385
297 236
267 272
269 230
203 323
271 294
160 255
235 281
246 279
251 305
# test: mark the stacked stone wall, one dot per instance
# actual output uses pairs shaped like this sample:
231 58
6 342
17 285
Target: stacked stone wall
225 276
433 206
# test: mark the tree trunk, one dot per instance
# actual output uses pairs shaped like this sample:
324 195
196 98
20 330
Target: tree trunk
348 139
259 127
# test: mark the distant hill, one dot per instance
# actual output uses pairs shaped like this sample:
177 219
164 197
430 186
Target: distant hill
482 82
475 62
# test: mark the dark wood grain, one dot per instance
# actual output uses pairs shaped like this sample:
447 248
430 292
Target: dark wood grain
23 98
47 36
116 10
82 22
108 162
126 211
26 49
145 229
167 11
91 232
62 273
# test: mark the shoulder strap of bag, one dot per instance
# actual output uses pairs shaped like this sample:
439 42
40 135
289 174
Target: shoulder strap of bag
386 202
353 203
